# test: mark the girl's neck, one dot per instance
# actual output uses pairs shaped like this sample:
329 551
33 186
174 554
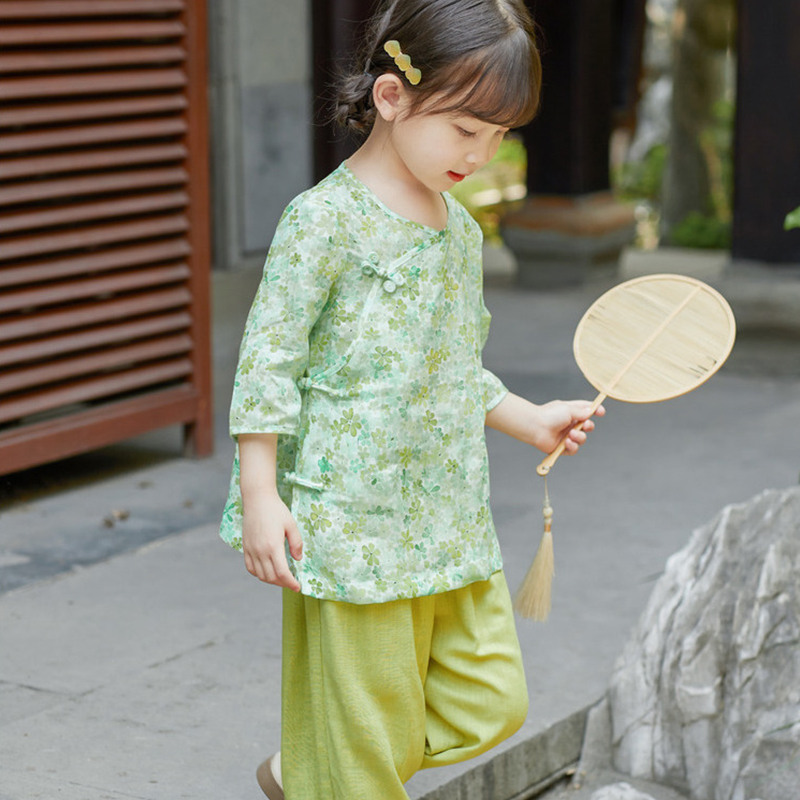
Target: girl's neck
379 167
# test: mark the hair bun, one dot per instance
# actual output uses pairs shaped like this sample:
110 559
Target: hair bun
354 107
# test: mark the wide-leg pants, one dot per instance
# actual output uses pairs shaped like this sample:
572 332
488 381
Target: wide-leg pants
373 693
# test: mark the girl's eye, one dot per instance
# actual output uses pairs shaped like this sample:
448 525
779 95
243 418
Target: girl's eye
464 132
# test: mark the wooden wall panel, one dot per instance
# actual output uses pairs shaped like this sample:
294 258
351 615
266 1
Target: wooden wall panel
104 228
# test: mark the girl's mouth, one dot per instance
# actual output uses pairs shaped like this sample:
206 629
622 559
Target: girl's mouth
455 176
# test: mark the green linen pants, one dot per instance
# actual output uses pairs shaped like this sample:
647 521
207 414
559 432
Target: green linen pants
373 693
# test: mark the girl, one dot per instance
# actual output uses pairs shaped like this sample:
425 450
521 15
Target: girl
361 480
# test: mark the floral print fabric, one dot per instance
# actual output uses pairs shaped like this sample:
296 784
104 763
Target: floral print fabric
362 350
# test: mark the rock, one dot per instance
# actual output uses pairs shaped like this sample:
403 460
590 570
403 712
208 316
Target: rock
706 695
620 791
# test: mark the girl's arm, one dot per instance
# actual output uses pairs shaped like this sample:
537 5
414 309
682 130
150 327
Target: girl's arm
267 520
543 426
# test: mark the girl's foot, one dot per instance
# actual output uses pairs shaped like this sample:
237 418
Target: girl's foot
268 776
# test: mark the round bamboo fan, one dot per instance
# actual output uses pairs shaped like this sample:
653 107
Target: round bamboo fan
651 339
654 338
645 340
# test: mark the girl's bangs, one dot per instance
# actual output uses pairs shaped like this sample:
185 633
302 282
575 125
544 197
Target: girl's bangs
498 85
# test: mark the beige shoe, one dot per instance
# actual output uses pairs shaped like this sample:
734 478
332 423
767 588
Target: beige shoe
266 780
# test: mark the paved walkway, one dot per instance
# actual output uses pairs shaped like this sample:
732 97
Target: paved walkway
138 659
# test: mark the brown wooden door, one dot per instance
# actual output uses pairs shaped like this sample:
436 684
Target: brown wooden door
104 240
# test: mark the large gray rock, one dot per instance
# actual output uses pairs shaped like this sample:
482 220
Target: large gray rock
620 791
706 695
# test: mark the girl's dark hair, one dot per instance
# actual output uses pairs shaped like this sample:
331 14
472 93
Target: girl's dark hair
478 57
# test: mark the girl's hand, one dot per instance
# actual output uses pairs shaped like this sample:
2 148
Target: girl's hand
544 426
560 418
267 524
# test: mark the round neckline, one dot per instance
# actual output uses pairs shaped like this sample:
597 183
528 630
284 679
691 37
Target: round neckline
378 202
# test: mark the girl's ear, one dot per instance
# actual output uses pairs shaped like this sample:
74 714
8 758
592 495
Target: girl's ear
389 96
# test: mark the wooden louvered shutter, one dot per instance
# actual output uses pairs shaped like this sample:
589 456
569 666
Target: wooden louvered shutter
104 242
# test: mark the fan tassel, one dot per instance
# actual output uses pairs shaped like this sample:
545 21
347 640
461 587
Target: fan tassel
533 599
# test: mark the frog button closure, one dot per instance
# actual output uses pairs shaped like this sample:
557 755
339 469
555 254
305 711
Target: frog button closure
370 265
391 281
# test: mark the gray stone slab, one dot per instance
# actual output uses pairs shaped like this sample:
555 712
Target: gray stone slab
52 786
87 630
166 664
110 516
189 727
18 701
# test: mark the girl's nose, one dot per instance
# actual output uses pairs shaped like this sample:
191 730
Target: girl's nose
477 158
480 155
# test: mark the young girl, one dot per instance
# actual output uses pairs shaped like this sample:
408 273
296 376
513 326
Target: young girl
361 480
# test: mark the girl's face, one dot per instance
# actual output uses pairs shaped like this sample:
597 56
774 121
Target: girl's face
440 150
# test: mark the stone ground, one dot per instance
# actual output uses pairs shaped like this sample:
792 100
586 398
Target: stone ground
139 660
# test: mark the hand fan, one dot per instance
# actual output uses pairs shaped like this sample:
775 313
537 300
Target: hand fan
646 340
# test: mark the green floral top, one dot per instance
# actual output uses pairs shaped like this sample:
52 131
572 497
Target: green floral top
362 350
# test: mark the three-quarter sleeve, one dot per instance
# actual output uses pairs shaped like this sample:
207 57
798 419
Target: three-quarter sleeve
494 390
298 276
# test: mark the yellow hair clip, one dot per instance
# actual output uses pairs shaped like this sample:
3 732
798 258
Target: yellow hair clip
413 75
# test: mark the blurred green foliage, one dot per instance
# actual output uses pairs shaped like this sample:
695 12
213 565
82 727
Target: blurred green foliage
792 220
485 193
703 231
641 180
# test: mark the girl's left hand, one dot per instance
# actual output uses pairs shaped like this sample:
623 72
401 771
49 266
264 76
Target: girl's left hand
560 418
546 425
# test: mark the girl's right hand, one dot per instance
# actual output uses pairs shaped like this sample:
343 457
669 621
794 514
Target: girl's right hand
267 524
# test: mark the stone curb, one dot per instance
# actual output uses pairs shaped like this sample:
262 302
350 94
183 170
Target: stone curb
523 771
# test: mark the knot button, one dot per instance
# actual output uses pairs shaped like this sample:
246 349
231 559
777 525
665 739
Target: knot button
369 265
389 286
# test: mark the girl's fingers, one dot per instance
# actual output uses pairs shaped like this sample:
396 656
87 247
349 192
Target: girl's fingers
265 551
571 447
577 434
274 569
577 437
295 541
283 575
